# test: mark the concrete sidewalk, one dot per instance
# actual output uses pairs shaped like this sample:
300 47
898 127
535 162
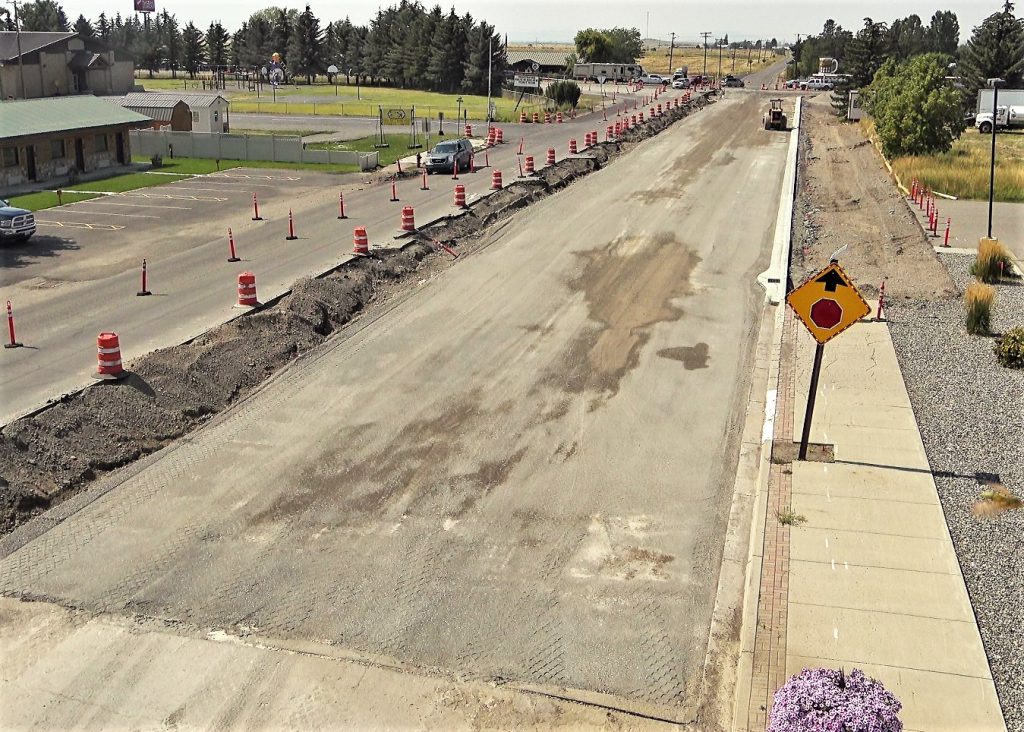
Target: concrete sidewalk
870 579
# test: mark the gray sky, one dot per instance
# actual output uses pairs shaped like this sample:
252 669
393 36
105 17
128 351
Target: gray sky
558 20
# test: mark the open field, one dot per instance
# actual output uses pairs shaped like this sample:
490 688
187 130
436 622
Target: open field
656 61
964 171
348 100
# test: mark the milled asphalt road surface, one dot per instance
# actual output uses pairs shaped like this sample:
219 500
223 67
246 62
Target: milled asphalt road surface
69 283
520 472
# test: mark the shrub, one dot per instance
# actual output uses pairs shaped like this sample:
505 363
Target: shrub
564 92
993 261
157 160
1010 349
978 300
824 700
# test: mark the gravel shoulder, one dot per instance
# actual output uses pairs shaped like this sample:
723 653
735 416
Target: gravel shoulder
970 411
847 199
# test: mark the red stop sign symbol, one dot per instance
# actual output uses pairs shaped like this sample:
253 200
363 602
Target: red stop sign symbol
826 313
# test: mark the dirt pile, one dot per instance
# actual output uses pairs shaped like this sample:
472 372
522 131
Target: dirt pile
170 392
845 198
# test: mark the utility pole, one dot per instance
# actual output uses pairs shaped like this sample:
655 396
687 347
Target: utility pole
671 50
705 35
21 62
720 44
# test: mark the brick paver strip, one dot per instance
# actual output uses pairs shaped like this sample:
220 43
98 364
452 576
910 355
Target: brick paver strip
773 601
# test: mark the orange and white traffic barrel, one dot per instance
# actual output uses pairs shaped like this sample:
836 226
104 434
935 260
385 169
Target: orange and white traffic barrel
360 242
551 156
496 180
529 165
572 146
108 355
247 290
408 219
460 196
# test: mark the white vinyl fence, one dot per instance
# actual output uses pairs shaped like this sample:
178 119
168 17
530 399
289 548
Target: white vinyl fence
213 145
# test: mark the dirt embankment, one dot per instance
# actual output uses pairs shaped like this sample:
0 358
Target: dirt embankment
48 456
846 197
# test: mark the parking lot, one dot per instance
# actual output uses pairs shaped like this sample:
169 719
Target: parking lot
103 236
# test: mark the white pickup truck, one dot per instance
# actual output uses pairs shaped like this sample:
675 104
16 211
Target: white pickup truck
1006 118
16 224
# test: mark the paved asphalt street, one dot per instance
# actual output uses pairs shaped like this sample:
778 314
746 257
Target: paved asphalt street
521 472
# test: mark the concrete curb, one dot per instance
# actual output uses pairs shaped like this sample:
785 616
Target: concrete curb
773 279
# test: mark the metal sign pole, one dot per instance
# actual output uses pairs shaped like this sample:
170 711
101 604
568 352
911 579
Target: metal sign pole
818 353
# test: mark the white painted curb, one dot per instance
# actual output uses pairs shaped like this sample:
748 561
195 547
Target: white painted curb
773 279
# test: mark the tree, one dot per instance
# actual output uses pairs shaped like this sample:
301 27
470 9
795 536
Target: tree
916 111
627 45
43 15
194 47
281 32
305 51
593 45
171 42
83 27
147 46
217 44
995 50
483 41
907 37
865 54
103 27
944 32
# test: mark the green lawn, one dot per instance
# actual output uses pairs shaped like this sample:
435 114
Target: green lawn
189 166
280 133
126 182
398 146
200 166
47 199
365 101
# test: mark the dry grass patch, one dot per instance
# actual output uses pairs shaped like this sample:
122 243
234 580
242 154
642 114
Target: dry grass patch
964 170
978 299
993 261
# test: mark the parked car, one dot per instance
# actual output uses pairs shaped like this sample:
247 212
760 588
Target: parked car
733 81
16 224
652 80
793 84
813 84
444 156
682 83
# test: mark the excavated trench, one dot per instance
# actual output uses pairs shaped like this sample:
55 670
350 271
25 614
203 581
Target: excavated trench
56 452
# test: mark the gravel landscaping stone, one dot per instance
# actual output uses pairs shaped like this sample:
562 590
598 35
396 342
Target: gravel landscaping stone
970 411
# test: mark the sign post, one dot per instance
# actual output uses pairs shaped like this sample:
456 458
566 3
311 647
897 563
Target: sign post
827 304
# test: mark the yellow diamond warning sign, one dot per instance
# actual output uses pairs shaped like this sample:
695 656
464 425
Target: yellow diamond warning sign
828 303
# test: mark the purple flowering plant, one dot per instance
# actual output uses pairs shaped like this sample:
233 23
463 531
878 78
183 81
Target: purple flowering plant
828 700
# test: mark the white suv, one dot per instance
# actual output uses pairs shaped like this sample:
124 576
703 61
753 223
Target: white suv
651 80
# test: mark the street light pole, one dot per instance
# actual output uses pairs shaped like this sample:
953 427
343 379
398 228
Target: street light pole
994 83
671 52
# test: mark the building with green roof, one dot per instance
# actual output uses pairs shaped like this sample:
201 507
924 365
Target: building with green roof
55 139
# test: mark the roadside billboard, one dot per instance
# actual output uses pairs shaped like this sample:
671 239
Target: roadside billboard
145 6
